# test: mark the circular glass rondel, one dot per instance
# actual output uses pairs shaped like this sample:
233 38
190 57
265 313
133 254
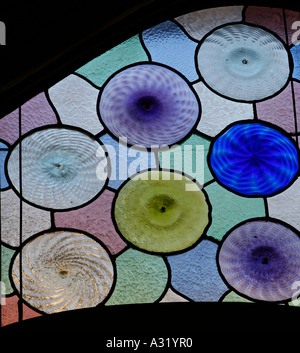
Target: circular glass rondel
149 105
254 159
63 270
243 62
59 168
155 212
261 259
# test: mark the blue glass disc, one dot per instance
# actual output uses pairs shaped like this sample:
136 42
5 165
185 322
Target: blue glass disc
254 159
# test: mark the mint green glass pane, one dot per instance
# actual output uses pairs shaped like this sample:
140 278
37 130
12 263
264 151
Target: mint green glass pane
141 278
99 69
189 157
229 209
6 255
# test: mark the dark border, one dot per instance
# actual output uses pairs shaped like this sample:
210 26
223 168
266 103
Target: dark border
39 81
166 320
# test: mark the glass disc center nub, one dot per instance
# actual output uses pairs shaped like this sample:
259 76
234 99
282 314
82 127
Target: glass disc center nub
63 274
265 262
264 255
60 170
244 62
162 203
148 106
59 165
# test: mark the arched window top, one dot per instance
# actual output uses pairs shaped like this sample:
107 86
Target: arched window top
164 169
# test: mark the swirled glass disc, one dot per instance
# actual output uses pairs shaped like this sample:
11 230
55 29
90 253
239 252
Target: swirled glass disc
63 270
60 168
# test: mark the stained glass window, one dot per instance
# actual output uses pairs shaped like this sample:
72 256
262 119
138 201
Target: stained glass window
163 170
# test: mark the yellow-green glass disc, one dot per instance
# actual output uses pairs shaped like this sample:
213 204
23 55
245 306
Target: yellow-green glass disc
161 211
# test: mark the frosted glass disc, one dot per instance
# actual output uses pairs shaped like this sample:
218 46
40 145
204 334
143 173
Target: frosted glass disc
60 168
243 62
